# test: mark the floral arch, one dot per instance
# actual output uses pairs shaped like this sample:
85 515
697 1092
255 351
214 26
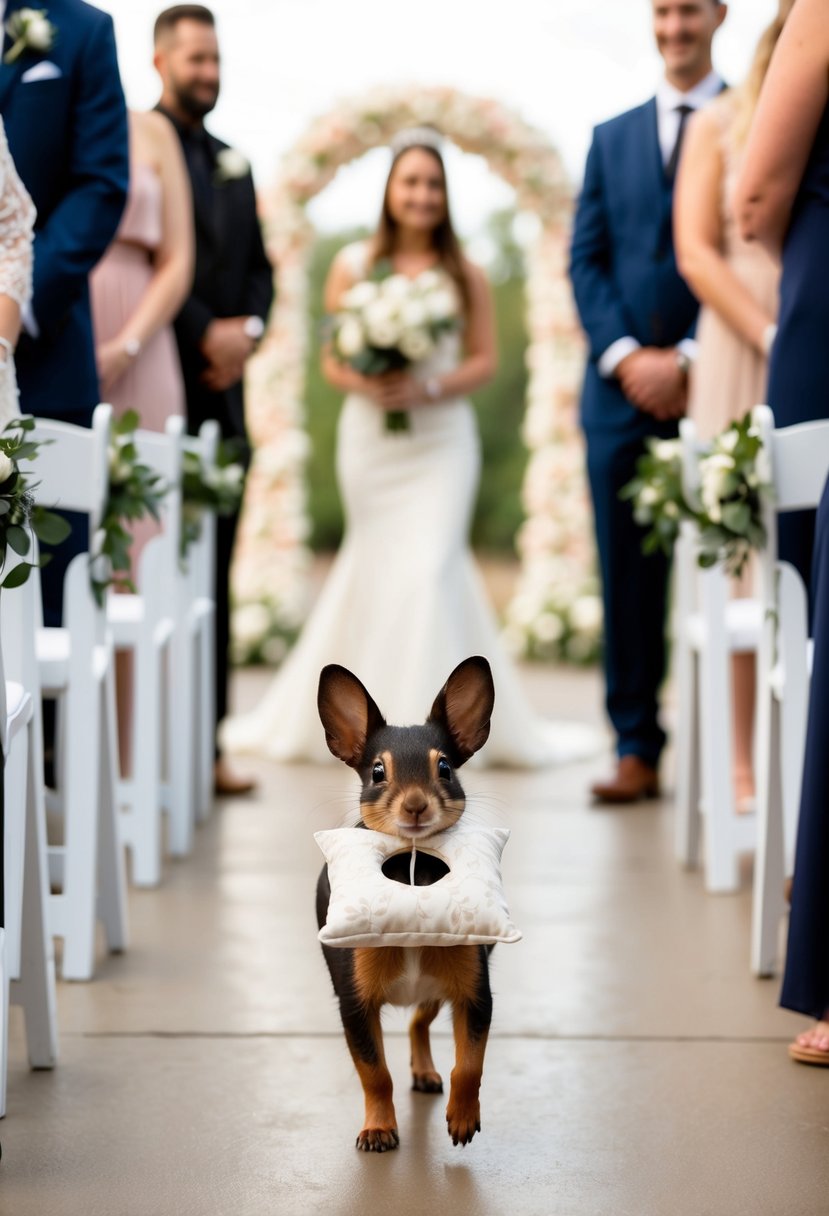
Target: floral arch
554 611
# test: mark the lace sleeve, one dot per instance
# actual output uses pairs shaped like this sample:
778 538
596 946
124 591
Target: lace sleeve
17 217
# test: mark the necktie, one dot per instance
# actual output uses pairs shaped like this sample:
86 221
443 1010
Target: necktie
197 152
673 159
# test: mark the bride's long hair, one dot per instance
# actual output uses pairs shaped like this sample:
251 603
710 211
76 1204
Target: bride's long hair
444 238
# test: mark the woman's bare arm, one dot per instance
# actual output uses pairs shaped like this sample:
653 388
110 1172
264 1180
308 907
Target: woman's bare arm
698 233
792 101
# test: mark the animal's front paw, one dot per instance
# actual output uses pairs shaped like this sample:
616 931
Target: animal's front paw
429 1082
463 1122
378 1139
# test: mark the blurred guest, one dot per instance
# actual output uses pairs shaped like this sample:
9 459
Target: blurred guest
141 283
782 201
137 289
736 283
17 217
63 106
224 317
639 318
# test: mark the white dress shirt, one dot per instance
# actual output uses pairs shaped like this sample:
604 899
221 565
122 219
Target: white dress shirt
668 98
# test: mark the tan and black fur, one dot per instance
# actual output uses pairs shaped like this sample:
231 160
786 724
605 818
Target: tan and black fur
410 789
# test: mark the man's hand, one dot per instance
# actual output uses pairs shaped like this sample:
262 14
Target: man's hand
653 381
226 347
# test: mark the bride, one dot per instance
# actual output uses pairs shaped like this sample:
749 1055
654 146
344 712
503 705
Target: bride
403 604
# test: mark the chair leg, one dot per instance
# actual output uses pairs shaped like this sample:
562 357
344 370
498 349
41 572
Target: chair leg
35 989
687 821
4 1023
182 757
112 905
715 726
767 893
145 811
80 783
207 712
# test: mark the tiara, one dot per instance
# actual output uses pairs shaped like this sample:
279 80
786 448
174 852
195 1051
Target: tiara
416 137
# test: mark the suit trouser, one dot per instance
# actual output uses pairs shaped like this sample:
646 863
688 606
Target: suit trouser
226 526
634 592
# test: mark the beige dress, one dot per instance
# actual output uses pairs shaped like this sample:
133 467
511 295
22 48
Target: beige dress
729 375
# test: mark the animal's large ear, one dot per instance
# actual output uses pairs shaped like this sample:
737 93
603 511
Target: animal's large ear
463 707
347 712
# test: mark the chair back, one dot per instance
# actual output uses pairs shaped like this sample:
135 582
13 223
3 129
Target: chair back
162 452
201 555
72 467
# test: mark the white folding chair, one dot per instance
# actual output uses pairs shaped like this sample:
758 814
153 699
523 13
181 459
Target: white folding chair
198 616
799 458
77 669
29 954
144 624
709 626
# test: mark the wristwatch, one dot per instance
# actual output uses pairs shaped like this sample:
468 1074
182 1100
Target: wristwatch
132 348
433 388
683 362
254 327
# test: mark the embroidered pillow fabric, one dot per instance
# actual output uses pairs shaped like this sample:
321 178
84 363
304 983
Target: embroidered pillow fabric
467 906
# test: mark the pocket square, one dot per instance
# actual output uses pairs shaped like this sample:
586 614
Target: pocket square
45 70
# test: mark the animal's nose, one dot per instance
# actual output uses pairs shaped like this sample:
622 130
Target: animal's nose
414 803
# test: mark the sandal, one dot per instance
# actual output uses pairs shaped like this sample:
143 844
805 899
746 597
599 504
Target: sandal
809 1055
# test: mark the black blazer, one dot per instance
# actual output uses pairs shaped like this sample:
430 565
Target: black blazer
233 278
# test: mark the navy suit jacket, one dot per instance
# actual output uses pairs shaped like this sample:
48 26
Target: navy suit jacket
68 139
623 266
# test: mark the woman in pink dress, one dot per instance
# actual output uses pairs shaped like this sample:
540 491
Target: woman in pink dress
137 289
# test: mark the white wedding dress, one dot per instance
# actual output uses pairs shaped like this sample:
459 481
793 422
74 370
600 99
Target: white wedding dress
403 603
17 217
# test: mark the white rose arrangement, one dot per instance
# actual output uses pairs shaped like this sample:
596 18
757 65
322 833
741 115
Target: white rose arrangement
30 30
734 482
391 323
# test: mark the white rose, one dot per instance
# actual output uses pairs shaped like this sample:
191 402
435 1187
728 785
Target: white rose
232 163
39 33
416 345
360 295
666 450
396 287
231 475
251 623
586 614
441 305
728 441
413 314
548 628
382 324
649 496
351 338
762 467
6 467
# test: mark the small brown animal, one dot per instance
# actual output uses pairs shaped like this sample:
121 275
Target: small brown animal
410 789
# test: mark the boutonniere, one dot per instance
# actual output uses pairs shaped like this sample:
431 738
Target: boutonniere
30 31
230 165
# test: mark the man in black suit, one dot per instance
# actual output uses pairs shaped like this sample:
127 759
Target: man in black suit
222 321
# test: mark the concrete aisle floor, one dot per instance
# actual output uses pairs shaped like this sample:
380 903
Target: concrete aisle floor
634 1067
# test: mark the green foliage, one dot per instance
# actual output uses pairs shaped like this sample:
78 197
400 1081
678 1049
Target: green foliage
217 489
135 491
20 515
500 405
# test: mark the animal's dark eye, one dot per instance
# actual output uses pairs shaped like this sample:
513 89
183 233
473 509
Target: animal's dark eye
378 772
444 769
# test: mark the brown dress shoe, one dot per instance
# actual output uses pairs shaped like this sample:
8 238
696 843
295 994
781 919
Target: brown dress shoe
634 781
228 783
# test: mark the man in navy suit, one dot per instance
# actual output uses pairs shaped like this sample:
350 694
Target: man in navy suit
224 317
639 317
66 122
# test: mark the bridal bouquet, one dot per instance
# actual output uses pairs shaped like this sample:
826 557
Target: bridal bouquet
391 322
734 482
